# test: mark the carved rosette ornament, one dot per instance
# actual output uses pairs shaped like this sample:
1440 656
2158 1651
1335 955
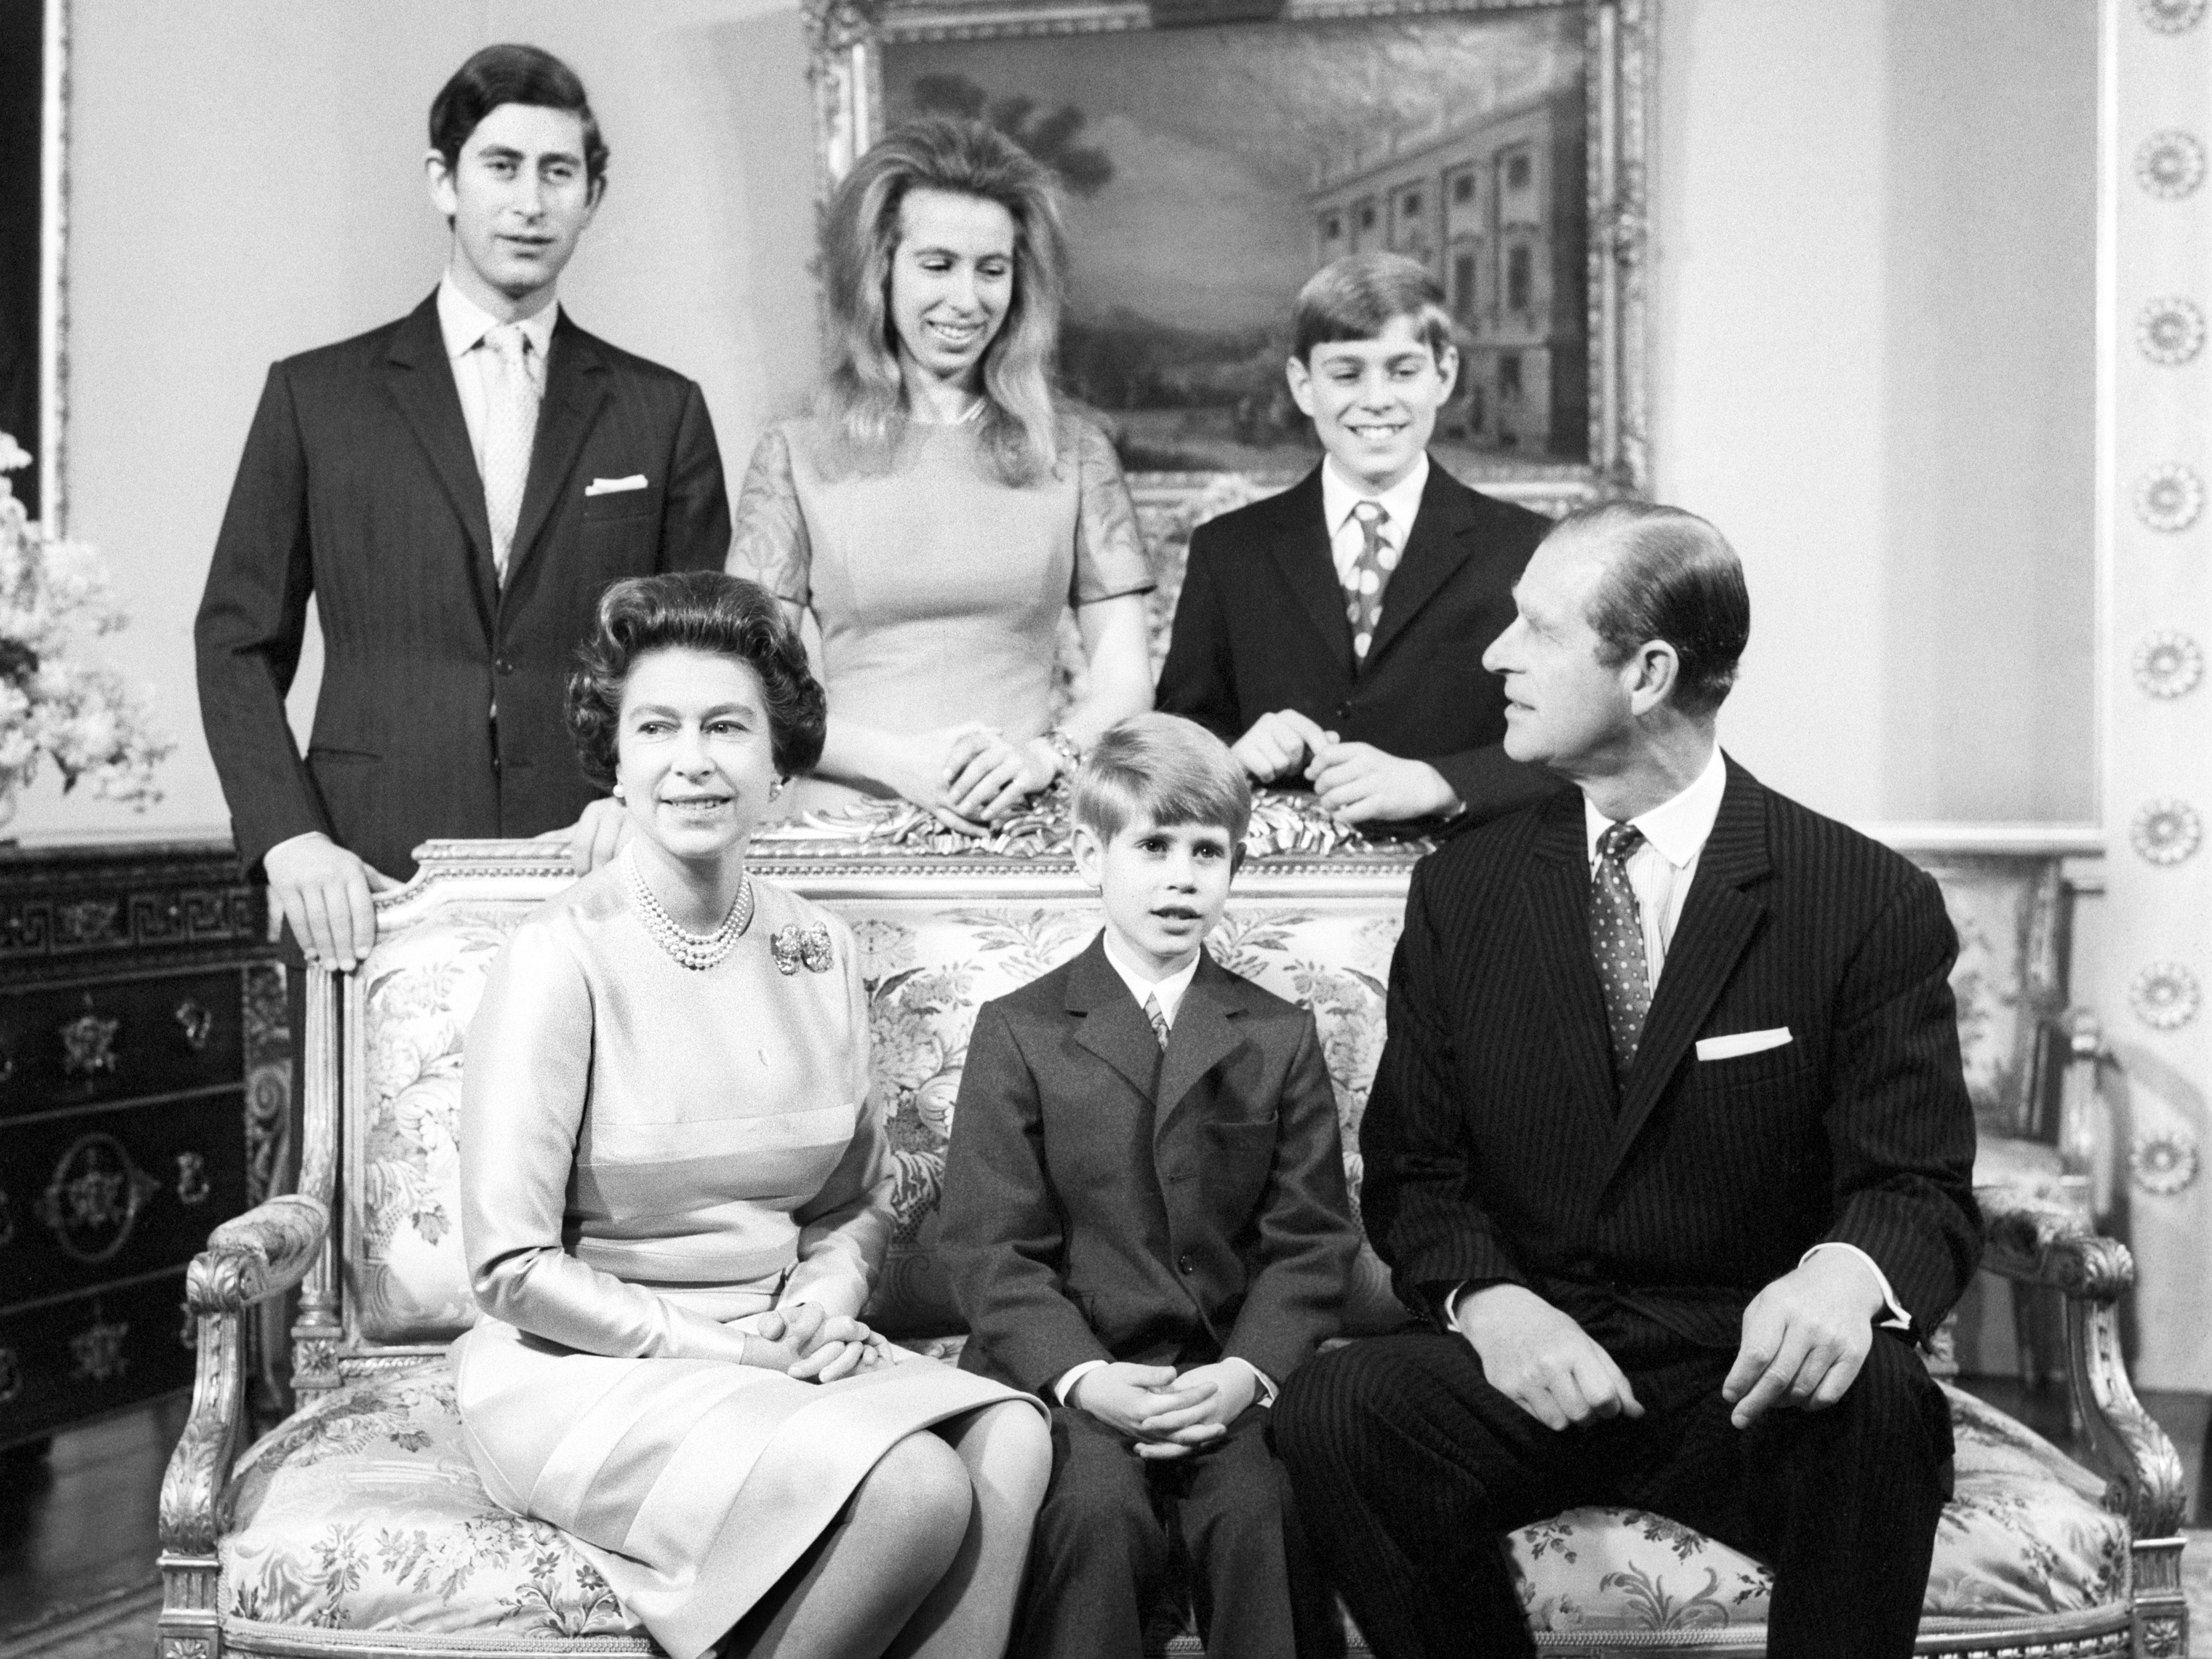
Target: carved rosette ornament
2168 664
2166 831
2170 498
2163 1163
2170 16
2170 330
2165 996
2170 165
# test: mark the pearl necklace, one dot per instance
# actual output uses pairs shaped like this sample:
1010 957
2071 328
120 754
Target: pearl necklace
698 952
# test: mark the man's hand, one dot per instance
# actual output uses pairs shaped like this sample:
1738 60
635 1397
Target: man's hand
323 891
1277 745
1540 1359
1805 1337
1176 1432
596 836
1360 783
1125 1397
821 1347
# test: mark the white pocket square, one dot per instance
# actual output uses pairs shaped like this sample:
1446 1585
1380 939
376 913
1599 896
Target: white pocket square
615 486
1741 1043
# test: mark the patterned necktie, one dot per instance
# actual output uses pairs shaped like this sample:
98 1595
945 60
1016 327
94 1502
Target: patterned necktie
1159 1020
1616 929
1371 574
511 399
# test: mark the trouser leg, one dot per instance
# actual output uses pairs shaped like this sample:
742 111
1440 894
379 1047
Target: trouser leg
1098 1555
1235 1513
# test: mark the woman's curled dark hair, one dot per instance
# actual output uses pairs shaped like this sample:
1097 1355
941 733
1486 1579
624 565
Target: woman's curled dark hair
694 611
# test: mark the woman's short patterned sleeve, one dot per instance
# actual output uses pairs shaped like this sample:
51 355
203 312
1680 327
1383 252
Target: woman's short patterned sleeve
770 544
1110 549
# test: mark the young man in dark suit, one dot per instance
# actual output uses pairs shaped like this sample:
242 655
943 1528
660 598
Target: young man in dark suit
1670 1144
1334 633
1146 1222
454 490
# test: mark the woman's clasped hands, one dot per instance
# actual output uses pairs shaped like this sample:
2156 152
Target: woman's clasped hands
810 1345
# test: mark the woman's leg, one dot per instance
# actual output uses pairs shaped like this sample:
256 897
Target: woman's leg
1007 1451
903 1528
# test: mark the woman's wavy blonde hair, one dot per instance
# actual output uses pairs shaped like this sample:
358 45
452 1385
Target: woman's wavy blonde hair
863 395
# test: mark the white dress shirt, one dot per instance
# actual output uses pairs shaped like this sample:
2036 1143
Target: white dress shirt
1660 872
1168 993
1340 493
463 324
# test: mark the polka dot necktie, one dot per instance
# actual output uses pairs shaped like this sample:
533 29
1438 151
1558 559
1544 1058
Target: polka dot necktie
1617 942
512 395
1371 574
1159 1020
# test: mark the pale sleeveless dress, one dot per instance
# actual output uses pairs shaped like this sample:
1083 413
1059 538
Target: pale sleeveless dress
649 1153
938 587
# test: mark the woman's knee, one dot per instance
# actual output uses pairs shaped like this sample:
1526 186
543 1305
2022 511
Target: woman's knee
919 1492
1008 1452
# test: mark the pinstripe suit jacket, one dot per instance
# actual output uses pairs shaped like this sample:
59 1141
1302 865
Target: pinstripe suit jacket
1498 1147
358 486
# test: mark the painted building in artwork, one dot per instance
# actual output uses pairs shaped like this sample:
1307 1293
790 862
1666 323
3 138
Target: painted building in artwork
1498 207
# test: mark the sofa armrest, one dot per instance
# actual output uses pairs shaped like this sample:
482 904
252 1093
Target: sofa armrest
2038 1242
248 1259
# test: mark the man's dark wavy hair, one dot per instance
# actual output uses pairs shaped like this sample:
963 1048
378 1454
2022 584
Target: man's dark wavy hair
1675 579
513 74
694 611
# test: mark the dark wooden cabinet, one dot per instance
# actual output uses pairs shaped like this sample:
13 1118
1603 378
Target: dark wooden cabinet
144 1087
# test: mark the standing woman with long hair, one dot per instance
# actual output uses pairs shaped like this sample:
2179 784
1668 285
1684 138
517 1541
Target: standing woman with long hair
940 510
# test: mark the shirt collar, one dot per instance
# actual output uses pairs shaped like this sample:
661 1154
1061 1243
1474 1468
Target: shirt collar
1340 493
1169 991
1679 828
463 323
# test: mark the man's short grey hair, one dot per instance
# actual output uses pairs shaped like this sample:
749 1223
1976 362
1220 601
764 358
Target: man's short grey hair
1674 578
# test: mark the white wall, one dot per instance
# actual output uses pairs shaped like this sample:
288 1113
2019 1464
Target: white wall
1870 312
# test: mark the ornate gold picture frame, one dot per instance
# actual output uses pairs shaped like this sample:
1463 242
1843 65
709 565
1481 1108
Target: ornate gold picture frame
1216 152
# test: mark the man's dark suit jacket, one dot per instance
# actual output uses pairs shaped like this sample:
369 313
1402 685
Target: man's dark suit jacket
358 486
1495 1147
1088 1216
1261 626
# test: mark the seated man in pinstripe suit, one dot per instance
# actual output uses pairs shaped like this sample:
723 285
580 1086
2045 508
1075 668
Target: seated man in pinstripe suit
1669 1149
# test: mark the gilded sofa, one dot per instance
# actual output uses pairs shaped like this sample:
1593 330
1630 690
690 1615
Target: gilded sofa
358 1526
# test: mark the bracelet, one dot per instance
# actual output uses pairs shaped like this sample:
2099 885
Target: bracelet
1063 745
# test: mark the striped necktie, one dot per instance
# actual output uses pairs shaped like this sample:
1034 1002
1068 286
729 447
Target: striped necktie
1159 1020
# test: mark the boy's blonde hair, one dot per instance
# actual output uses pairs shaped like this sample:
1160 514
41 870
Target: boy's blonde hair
1355 297
1161 769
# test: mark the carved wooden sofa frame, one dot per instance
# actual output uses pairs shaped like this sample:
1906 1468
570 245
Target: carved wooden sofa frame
295 1241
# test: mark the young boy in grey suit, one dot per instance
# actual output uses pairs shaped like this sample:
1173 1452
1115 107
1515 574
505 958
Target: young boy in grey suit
1145 1221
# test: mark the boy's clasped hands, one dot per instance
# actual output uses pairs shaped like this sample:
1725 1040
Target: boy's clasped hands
1168 1416
1357 781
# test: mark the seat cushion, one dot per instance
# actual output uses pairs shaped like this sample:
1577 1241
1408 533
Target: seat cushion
2023 1536
362 1512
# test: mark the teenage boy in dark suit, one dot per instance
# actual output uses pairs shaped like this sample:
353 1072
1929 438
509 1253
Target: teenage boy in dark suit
1145 1221
1333 634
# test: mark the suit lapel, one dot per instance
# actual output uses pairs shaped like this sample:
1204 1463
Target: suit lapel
1558 890
1112 1026
1300 550
1718 923
575 391
1434 551
420 379
1203 1033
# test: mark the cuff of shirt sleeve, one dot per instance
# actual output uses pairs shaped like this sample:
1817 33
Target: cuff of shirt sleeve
1071 1376
1263 1385
1899 1320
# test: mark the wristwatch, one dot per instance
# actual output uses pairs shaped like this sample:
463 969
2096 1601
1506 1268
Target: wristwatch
1070 756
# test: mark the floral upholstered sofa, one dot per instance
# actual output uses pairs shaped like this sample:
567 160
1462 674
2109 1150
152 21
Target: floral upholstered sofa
357 1525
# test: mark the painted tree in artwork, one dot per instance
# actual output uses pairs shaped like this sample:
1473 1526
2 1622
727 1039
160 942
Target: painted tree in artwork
1049 135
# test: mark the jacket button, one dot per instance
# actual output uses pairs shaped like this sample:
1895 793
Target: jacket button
503 665
1343 711
1184 1264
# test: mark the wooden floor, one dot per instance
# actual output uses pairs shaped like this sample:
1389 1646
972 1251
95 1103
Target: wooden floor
77 1523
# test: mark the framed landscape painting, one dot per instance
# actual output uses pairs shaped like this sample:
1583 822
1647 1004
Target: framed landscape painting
1214 156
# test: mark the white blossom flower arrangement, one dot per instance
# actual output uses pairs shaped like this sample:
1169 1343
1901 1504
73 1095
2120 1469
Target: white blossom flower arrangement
55 595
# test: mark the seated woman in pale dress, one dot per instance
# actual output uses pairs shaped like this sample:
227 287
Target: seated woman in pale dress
675 1200
940 510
